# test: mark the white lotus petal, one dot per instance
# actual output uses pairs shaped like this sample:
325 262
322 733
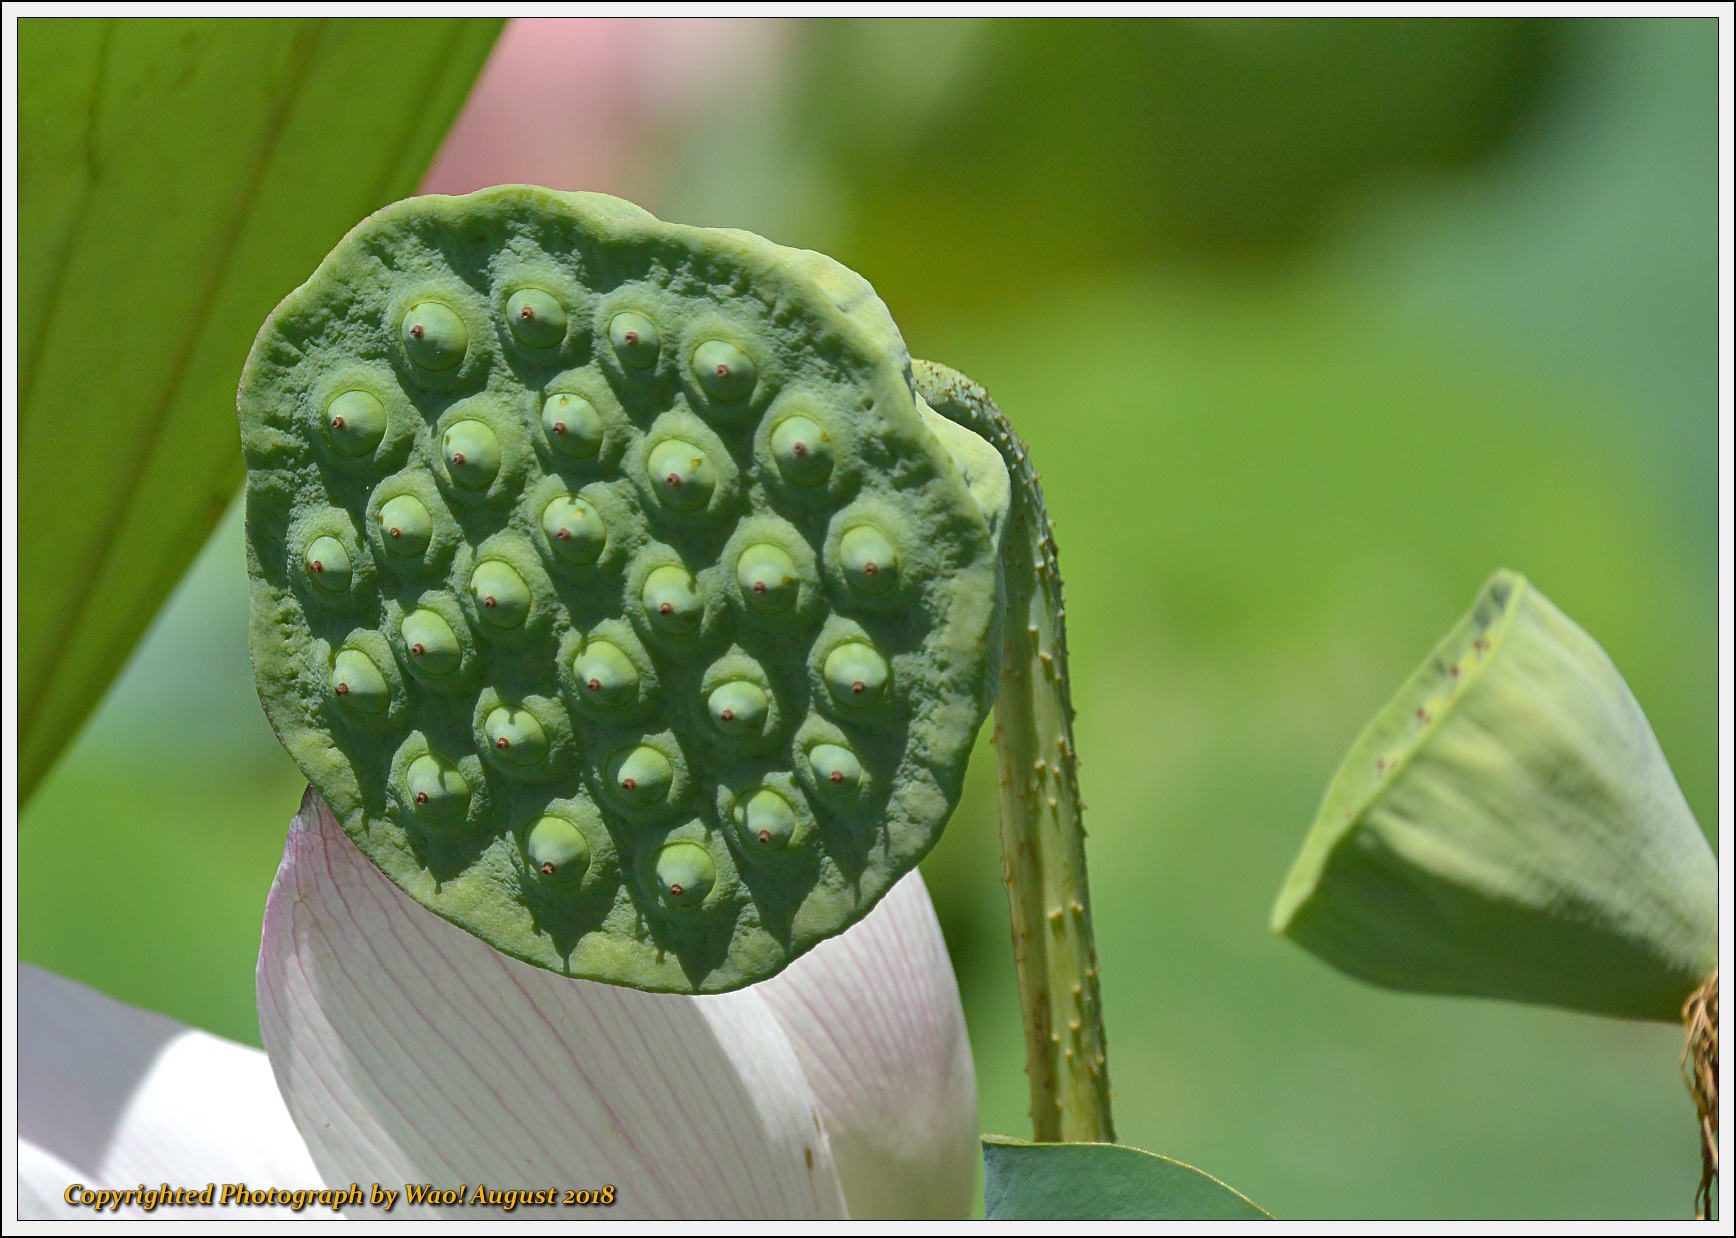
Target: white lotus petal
410 1051
875 1018
43 1179
120 1097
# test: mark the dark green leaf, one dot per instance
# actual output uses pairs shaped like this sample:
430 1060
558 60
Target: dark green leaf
176 178
1102 1182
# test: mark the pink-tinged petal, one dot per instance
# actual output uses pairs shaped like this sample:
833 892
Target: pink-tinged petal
118 1096
410 1051
875 1018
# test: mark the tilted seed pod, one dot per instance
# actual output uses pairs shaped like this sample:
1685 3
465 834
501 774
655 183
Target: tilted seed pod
674 611
1508 827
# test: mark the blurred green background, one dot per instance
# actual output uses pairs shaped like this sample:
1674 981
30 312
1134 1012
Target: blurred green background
1310 326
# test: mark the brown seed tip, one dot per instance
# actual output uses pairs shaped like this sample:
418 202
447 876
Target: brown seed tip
594 684
629 784
869 568
562 535
800 449
393 531
728 715
759 586
632 337
674 479
343 689
560 427
858 687
337 423
488 602
837 775
765 836
675 890
417 650
421 797
668 608
458 457
502 743
548 867
416 332
527 313
316 566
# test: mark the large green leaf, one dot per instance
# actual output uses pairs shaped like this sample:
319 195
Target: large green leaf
176 179
1102 1182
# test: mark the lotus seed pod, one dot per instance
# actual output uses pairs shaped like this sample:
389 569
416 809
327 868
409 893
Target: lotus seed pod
328 565
433 645
536 318
635 340
572 425
616 535
725 371
767 576
870 563
558 850
803 451
358 683
502 597
406 526
1508 827
472 454
682 476
356 422
738 707
434 337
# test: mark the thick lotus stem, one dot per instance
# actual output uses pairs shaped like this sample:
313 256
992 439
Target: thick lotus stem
1700 1068
1042 825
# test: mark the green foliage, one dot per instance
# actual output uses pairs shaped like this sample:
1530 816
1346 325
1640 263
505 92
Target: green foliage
1508 827
603 601
175 178
1102 1182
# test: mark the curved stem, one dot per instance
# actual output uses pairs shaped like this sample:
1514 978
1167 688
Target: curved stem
1042 822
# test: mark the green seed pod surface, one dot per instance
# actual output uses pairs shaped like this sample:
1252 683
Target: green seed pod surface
601 687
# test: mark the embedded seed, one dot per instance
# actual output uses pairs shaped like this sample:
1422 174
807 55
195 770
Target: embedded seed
572 425
767 576
434 647
434 336
606 676
869 561
764 820
855 674
738 707
725 371
437 788
803 451
356 422
502 597
558 850
518 738
407 526
537 319
635 340
835 768
681 475
574 530
671 600
328 565
472 454
685 874
641 774
359 684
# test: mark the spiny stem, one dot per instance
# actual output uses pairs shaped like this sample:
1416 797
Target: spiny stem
1042 818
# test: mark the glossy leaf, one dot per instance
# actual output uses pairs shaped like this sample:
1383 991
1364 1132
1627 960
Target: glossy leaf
176 179
1102 1182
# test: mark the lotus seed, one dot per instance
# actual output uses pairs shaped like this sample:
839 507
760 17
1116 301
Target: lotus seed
359 684
605 675
537 319
574 530
725 371
434 337
764 820
685 874
803 452
436 788
767 576
738 707
573 425
433 646
642 775
681 475
328 565
672 602
868 559
558 850
835 768
502 597
407 526
472 454
356 422
516 736
855 673
635 340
